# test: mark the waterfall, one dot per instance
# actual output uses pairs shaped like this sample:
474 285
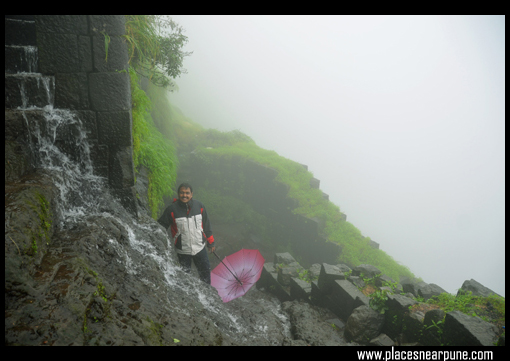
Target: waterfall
61 149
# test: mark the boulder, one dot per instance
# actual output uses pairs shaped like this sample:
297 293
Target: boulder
357 281
428 290
384 280
307 326
476 288
367 270
398 306
284 258
363 325
407 284
463 330
413 325
421 289
344 268
433 324
314 271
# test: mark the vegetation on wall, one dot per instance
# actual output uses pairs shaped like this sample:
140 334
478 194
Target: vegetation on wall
151 149
154 44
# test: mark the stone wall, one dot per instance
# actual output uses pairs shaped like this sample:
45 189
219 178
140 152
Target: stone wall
86 57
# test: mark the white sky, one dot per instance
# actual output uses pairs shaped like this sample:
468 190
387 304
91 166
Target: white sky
402 118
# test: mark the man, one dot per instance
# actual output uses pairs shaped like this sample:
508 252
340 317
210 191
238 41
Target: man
191 231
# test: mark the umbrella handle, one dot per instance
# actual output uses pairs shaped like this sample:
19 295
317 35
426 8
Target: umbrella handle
238 280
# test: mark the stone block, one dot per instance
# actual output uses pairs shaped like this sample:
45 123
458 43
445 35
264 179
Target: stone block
29 90
315 183
374 244
19 32
431 335
429 290
63 24
117 57
357 281
111 24
384 280
463 330
127 197
99 156
110 91
345 298
20 59
316 296
286 272
398 306
71 91
121 170
300 290
476 288
328 275
284 258
413 326
366 271
58 53
382 340
85 51
269 280
115 128
15 128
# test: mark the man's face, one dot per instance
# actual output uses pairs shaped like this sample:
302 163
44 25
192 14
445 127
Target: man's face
185 195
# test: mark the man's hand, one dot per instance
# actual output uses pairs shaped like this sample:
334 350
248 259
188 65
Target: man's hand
211 249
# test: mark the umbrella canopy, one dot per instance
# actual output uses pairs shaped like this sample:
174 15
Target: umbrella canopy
237 273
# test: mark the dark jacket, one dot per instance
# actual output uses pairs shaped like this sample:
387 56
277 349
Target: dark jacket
189 226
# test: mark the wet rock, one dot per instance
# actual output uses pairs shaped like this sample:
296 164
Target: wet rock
309 326
329 273
345 297
382 340
363 325
398 306
433 323
463 330
367 270
476 288
300 290
413 325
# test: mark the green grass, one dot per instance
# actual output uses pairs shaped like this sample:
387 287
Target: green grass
356 248
151 149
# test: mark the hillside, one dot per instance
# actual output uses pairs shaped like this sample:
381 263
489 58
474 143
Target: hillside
195 144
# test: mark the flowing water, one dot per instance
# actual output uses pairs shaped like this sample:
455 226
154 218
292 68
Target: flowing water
146 255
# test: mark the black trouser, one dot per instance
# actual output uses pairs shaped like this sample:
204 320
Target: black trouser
201 261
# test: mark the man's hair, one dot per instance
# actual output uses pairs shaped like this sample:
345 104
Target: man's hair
185 185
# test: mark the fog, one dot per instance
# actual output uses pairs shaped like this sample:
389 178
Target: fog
401 118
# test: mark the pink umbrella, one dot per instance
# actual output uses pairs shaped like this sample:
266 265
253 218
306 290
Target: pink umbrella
235 275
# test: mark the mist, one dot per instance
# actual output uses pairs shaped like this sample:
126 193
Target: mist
401 118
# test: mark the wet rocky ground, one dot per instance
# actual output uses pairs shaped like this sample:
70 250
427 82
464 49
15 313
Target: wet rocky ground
110 278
